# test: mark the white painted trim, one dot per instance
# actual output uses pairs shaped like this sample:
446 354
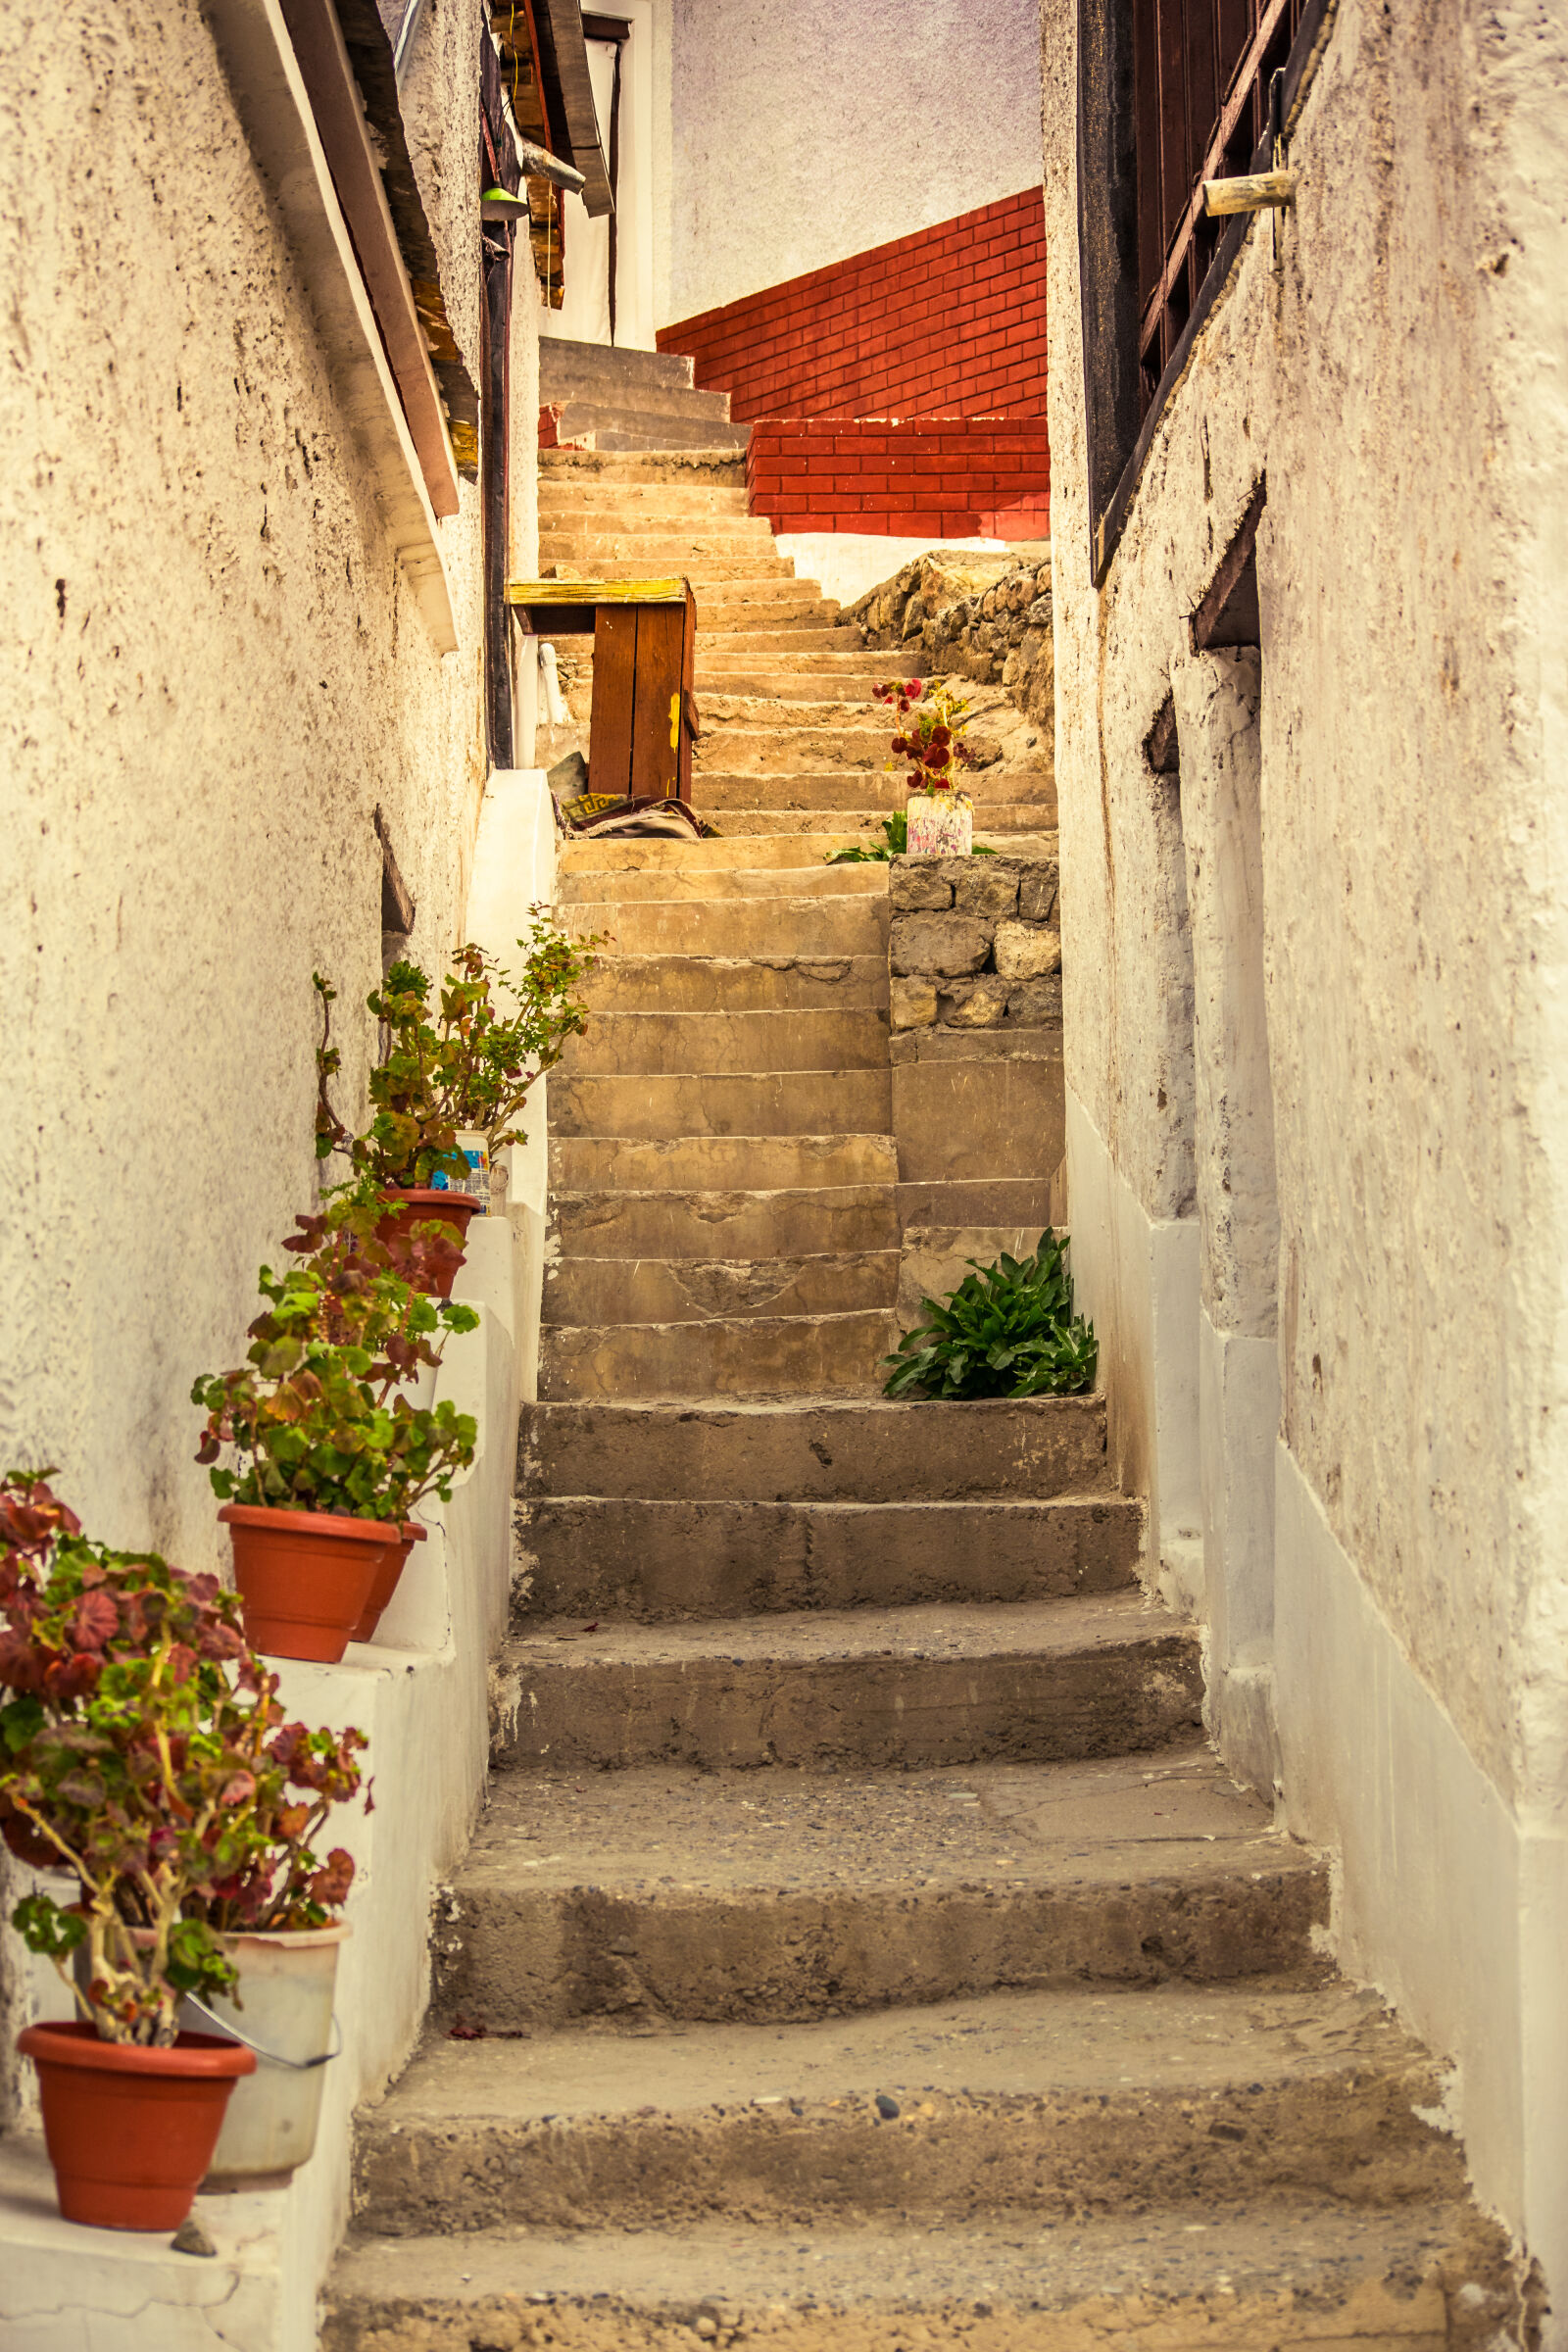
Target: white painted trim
1452 1904
272 104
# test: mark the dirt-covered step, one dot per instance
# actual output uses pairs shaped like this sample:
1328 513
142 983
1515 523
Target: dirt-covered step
607 1291
1211 2100
818 1449
682 468
737 984
755 1103
1027 1683
726 1225
785 921
1418 2278
710 1898
657 1562
756 1355
665 1042
679 1164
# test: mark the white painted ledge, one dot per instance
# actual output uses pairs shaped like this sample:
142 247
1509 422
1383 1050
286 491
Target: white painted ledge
272 104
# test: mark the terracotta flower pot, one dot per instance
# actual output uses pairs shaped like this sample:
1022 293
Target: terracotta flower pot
415 1204
304 1577
393 1562
130 2132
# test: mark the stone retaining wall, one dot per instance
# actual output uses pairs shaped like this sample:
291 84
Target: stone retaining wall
974 944
986 617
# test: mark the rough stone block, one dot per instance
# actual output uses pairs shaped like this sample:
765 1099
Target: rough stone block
1037 893
1035 1004
1027 950
915 883
913 1003
949 943
981 1005
986 886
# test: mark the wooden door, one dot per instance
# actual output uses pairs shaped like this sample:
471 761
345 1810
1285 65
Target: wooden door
642 665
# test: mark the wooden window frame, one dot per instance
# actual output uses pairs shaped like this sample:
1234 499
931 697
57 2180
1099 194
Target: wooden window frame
1125 332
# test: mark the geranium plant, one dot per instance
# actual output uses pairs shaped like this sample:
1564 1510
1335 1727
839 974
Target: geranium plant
933 743
144 1754
465 1062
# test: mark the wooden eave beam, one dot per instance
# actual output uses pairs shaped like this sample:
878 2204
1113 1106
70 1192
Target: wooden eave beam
323 60
371 57
274 109
563 57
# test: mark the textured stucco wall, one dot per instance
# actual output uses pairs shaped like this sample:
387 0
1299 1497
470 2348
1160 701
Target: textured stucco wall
217 672
1392 354
807 133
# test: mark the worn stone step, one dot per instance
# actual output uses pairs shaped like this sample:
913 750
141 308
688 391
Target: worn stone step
830 662
1211 2100
730 710
816 1449
724 1224
659 1562
842 789
785 749
610 853
665 1042
606 1291
599 395
727 1357
662 1896
713 555
800 824
794 603
1419 2277
686 468
717 530
700 1164
694 924
756 1103
628 429
850 690
567 365
799 638
606 504
1027 1683
736 984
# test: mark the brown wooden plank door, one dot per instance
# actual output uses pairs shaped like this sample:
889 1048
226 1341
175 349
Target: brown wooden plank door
656 719
611 766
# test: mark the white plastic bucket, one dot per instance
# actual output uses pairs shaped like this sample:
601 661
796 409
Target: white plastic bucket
287 1980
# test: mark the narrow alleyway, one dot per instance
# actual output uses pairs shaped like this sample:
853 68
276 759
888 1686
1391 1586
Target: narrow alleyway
861 1944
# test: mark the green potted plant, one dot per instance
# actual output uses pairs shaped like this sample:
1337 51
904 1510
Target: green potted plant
454 1075
939 818
144 1753
331 1461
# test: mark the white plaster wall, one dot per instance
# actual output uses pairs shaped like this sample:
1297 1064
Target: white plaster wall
846 563
807 133
1391 352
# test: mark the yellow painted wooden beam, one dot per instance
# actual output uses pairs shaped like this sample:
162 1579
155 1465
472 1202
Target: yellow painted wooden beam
595 592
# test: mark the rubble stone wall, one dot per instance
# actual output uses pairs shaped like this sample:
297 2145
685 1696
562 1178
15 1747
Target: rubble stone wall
981 616
974 944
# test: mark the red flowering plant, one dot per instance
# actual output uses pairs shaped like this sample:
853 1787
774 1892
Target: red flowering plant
934 745
144 1754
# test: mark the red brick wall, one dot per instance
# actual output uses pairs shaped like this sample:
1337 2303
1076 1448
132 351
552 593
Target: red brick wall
950 323
954 477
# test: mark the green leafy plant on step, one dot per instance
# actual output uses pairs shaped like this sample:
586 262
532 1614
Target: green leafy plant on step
1008 1330
894 843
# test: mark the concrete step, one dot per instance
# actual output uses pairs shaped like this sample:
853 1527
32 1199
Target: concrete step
736 984
566 365
663 1896
725 608
1025 1683
730 1356
731 1225
1320 2275
714 555
698 1163
731 1043
716 864
609 1291
1205 2100
722 530
799 642
796 742
816 1449
791 824
739 652
626 429
730 710
697 926
605 506
786 686
657 1563
763 1103
603 394
686 468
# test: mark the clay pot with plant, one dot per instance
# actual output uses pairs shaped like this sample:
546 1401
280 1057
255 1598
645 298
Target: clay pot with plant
455 1076
143 1756
939 818
331 1461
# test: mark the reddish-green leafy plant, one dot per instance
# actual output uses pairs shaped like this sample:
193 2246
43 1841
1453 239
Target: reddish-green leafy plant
466 1064
144 1753
934 745
312 1412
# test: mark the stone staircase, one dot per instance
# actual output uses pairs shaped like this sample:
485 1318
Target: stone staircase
624 399
862 1947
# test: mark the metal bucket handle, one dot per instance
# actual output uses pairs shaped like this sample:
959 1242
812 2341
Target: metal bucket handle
299 2066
